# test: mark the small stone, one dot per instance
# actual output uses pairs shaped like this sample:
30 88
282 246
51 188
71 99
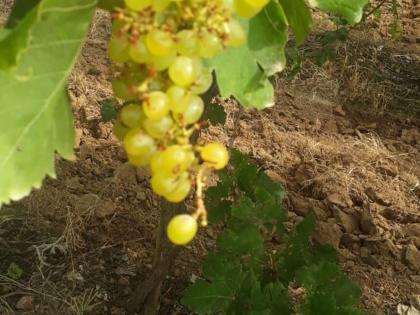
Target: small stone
349 222
301 206
412 257
141 195
372 261
367 225
339 200
412 229
25 303
126 173
328 233
349 240
104 209
338 110
406 310
364 252
377 197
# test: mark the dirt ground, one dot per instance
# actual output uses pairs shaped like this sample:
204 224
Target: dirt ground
343 139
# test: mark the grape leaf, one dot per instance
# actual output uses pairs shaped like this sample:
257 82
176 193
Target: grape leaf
267 37
239 75
35 113
352 10
13 43
299 18
19 10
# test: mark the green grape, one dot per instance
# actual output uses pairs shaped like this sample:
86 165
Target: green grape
156 105
181 229
162 63
210 45
243 9
159 43
215 155
193 111
158 128
163 184
118 49
140 160
137 142
236 34
132 115
257 3
180 98
181 192
175 159
121 90
138 52
160 5
119 130
187 43
138 5
183 71
156 163
203 82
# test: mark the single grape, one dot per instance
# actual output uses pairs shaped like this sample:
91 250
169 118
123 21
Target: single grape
181 191
183 71
132 115
203 82
215 155
193 111
175 159
121 90
236 34
257 3
139 53
181 229
179 97
158 128
244 9
118 48
119 130
160 63
156 105
138 5
137 142
163 183
187 43
160 5
209 45
159 42
140 160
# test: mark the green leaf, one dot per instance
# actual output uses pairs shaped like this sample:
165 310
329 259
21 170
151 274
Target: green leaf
242 239
35 114
299 18
110 4
109 109
208 298
352 10
14 271
13 43
244 80
267 38
19 10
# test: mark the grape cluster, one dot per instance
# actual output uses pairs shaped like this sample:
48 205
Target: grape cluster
161 47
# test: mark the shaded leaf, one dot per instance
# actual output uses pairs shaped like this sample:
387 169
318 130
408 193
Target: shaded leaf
299 18
19 10
352 10
108 109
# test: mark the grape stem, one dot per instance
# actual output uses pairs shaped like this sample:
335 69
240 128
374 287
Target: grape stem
200 212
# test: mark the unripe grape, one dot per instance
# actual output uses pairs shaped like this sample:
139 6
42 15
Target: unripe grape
132 115
183 71
163 183
159 43
158 128
236 34
203 82
118 49
160 5
181 191
175 159
187 44
160 63
193 111
156 105
257 3
210 45
156 163
138 5
140 160
215 155
181 229
243 9
121 90
119 130
137 142
139 53
179 97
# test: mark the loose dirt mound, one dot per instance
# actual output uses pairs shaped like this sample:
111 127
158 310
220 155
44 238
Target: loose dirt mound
344 140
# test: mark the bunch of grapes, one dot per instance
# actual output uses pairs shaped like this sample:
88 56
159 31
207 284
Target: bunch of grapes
161 47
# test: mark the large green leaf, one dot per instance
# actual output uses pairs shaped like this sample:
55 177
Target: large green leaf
352 10
267 38
35 112
239 75
13 43
299 18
